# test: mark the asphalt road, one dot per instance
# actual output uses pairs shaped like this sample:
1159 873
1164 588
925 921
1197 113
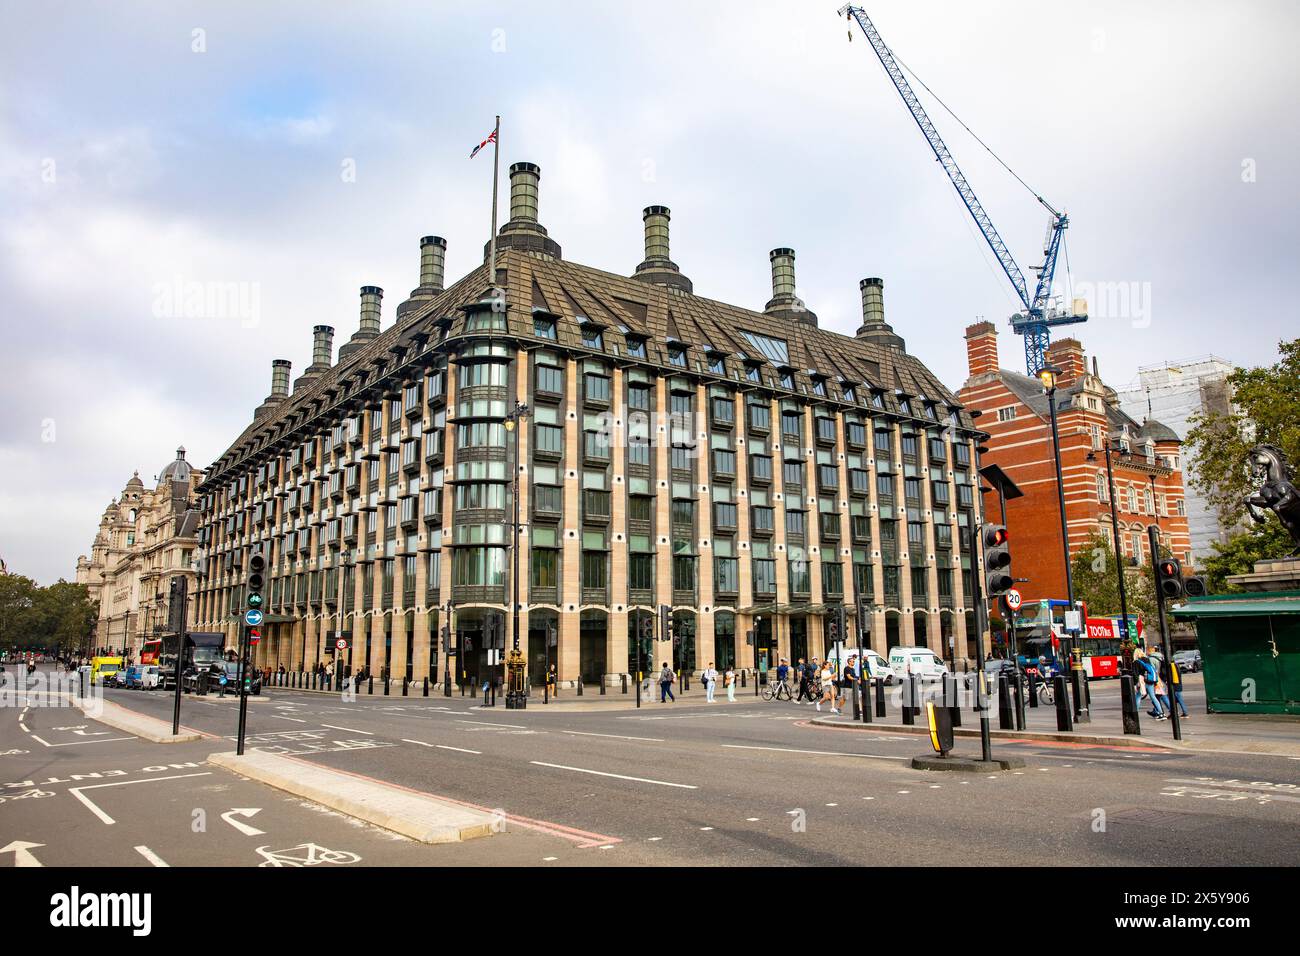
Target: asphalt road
751 783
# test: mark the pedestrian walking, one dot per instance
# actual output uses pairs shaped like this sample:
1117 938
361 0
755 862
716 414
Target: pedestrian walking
1150 683
1172 678
803 672
827 675
730 681
666 678
710 678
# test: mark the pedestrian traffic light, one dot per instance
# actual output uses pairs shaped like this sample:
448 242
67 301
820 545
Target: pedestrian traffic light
665 623
1169 579
446 638
997 561
841 624
256 580
1195 586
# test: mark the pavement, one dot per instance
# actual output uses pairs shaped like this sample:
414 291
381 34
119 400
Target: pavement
749 783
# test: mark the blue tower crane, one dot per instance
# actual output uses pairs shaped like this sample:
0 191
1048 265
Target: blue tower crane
1040 313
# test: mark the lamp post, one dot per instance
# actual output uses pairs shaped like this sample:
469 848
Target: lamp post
1047 376
1114 525
516 699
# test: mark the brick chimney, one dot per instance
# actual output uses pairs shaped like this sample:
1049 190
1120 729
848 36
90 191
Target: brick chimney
1067 355
981 348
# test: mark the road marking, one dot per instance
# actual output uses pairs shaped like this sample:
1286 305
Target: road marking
485 723
76 791
294 719
351 730
583 733
617 776
705 829
153 857
24 727
243 828
22 852
442 746
817 753
78 743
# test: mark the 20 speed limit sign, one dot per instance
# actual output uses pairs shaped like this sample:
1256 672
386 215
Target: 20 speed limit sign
1013 599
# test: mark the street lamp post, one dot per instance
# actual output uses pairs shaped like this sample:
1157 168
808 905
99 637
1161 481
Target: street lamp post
1048 376
516 699
1114 525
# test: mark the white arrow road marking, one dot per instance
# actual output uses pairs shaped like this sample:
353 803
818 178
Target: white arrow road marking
151 856
617 776
442 746
76 791
22 852
582 733
90 733
243 828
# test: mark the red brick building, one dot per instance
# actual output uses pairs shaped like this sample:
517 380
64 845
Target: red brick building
1015 411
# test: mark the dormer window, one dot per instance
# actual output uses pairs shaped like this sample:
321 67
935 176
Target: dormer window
787 379
718 363
904 405
677 356
847 389
929 411
751 372
636 347
878 399
544 327
819 386
592 337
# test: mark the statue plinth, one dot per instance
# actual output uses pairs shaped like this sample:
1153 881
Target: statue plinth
1273 574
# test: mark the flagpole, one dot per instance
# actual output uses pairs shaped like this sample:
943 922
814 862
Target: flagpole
496 163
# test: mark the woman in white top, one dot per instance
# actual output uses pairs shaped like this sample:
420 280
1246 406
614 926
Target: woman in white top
828 688
710 678
731 684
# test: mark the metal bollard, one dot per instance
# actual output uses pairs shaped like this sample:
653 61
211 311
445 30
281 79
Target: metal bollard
387 680
686 680
909 700
1132 721
854 692
404 686
579 685
625 683
473 689
951 698
1033 690
1062 694
1018 702
744 678
880 698
426 687
602 687
1078 687
370 685
866 699
1006 719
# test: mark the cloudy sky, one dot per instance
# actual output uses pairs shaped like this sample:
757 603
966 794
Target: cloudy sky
299 151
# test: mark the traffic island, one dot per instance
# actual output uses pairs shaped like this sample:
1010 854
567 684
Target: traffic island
149 728
965 764
420 816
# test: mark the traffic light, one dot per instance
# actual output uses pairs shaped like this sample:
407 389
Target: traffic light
665 623
997 561
256 580
1169 579
446 638
1195 586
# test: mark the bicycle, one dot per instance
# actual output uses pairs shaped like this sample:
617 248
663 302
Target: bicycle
776 690
1046 692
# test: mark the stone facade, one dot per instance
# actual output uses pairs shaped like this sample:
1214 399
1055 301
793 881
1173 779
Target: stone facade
145 538
746 469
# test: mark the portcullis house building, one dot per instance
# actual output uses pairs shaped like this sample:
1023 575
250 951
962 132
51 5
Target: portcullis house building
745 468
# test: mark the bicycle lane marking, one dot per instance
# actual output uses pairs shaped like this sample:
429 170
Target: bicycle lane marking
90 804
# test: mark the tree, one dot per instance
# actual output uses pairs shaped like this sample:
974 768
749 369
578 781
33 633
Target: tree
1239 554
1096 583
31 617
1265 410
17 603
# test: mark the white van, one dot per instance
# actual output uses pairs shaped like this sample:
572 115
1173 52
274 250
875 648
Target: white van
877 666
921 662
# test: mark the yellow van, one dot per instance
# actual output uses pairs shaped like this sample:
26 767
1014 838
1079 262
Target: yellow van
103 667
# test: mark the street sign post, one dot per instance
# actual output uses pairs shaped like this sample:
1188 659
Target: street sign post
1013 599
341 644
253 617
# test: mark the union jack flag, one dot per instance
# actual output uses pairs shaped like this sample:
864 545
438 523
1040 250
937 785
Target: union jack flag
492 138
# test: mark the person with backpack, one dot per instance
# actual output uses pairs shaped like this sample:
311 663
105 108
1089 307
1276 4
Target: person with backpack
710 679
666 678
1149 681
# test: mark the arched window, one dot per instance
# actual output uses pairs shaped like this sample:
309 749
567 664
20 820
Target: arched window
1101 488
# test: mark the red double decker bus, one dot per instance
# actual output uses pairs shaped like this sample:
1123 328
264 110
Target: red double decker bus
1099 646
1042 625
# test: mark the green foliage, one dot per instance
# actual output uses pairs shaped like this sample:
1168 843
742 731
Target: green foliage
1239 554
1096 582
33 617
1266 410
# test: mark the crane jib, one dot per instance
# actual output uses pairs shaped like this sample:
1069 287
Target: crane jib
1035 324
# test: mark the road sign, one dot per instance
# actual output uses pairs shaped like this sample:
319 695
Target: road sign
1073 622
1013 599
341 644
253 617
254 635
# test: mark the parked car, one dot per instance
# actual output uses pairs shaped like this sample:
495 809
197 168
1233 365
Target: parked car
1189 661
143 676
102 668
921 662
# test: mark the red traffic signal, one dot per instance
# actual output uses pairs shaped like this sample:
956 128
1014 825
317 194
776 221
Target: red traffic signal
1169 578
254 635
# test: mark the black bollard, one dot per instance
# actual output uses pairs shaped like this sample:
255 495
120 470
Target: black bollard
1062 694
386 681
579 685
370 685
426 687
1078 688
602 687
866 699
404 687
686 679
1132 721
473 689
1033 689
624 678
744 678
1006 719
951 699
909 698
880 698
1018 702
855 691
